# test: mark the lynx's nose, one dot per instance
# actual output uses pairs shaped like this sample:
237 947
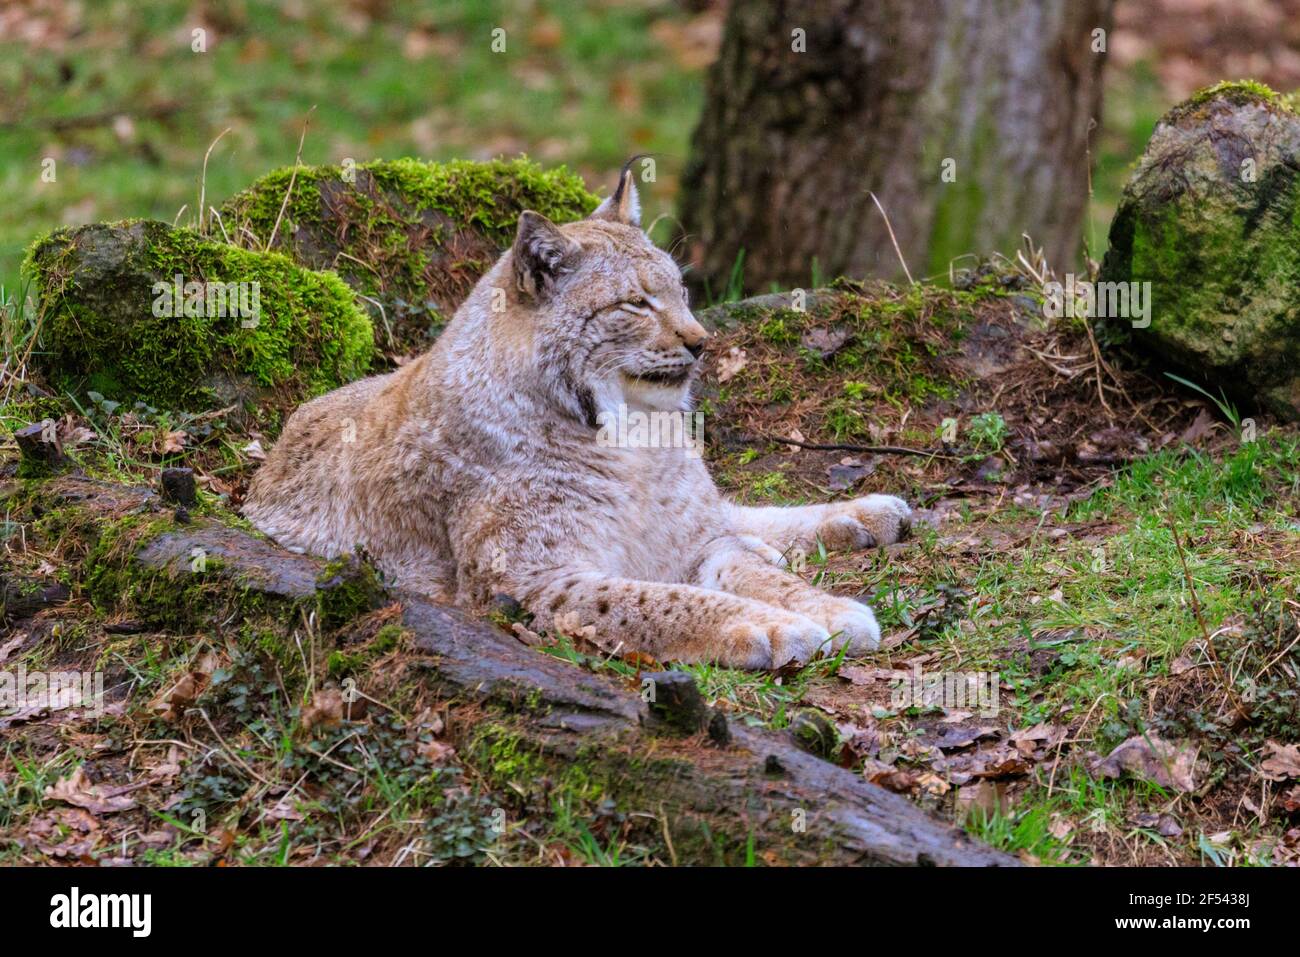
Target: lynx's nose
694 338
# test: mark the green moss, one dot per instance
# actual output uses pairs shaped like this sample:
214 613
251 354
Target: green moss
411 236
1237 92
100 331
1220 249
346 588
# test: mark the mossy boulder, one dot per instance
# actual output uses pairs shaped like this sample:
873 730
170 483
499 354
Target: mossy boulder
1211 218
411 236
250 329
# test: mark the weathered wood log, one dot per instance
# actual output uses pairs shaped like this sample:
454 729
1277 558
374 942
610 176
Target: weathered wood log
718 795
22 597
40 446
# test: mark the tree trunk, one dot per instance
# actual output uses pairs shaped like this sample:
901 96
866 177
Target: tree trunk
968 119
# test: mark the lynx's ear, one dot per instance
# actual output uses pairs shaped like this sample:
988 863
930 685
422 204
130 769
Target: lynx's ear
625 205
541 253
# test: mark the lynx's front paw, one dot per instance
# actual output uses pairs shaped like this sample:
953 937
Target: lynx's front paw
851 623
771 639
866 522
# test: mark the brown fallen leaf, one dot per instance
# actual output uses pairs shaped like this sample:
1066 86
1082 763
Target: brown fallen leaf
172 442
1290 799
888 776
998 762
730 365
954 739
1061 828
172 701
1203 425
329 708
1165 825
842 476
77 790
11 645
987 797
1169 764
861 675
1282 762
437 753
826 341
1045 736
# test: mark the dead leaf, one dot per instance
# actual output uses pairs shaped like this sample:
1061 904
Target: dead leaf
173 442
1283 761
8 647
77 790
325 709
437 753
254 450
847 476
172 701
1165 825
860 675
1290 799
1169 764
526 635
887 776
1060 827
826 342
730 365
1046 736
1203 425
988 797
954 739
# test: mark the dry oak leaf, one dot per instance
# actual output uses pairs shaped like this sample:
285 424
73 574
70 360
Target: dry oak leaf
1283 761
730 365
1029 740
77 790
1290 799
1169 764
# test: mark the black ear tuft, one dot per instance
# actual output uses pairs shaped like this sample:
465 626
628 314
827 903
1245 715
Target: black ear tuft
541 254
624 206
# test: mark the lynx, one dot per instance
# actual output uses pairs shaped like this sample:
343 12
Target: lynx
475 469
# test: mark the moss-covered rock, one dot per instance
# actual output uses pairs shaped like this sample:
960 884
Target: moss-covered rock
1211 218
250 329
411 236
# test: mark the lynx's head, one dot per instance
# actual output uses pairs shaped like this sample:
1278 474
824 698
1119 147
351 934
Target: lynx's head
609 314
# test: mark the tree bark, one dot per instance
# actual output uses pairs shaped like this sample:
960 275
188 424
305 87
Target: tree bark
886 97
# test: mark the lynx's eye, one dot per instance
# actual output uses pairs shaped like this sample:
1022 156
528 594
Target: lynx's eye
638 303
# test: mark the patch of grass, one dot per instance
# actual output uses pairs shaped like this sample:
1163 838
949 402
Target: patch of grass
444 94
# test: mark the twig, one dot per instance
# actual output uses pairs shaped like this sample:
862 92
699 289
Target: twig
229 752
203 179
297 161
842 447
907 272
1200 620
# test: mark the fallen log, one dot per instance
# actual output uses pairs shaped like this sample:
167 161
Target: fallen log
721 795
